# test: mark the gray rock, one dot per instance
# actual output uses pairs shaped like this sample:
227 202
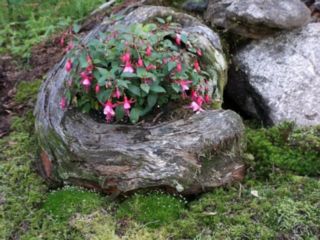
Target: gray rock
189 156
256 18
195 5
278 79
215 14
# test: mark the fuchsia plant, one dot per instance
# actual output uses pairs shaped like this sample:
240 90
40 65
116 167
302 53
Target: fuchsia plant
133 69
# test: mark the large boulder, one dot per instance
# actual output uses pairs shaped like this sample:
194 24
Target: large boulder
278 79
256 18
189 155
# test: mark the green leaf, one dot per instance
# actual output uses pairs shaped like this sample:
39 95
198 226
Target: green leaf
160 20
134 114
86 107
119 113
149 27
134 90
145 87
76 28
128 75
184 38
169 19
103 96
69 96
176 87
141 72
157 89
171 65
83 60
152 100
123 83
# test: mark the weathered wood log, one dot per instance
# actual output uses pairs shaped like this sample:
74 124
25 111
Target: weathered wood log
190 155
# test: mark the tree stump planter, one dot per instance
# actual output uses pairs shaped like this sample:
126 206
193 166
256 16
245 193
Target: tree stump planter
189 156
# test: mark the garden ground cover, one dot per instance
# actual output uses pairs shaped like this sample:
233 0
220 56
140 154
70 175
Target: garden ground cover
279 198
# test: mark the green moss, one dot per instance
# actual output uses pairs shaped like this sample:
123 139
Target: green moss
64 203
284 203
153 209
27 91
20 187
286 148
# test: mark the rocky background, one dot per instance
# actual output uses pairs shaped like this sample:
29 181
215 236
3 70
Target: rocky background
274 72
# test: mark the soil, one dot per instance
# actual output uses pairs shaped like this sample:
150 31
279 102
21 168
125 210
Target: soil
12 71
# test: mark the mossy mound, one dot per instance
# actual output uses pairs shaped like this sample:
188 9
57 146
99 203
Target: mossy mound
153 209
285 147
64 203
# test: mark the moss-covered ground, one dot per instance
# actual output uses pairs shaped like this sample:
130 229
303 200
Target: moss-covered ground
279 198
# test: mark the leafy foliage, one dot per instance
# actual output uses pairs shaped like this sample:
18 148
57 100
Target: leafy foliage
134 69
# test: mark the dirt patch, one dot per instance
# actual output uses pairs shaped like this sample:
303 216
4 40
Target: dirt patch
43 57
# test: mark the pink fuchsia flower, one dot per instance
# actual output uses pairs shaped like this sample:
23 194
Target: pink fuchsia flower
84 75
128 68
68 65
194 95
63 103
195 107
97 88
69 47
140 62
196 66
149 51
62 42
117 93
164 60
86 82
108 110
179 67
200 100
184 84
199 52
178 39
125 57
207 98
151 67
127 104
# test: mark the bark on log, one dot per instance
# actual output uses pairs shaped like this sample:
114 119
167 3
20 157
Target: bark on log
190 155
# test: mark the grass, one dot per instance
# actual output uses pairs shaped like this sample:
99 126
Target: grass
24 23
